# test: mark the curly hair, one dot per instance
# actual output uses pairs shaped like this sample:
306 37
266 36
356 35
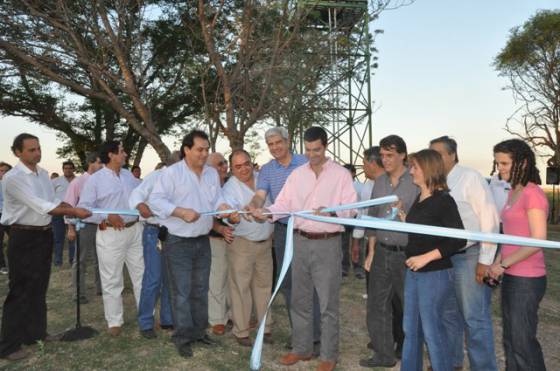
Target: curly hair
523 167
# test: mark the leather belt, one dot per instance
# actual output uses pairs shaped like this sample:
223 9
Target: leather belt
317 236
23 227
105 225
394 248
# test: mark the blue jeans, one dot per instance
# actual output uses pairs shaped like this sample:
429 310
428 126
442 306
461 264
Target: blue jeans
187 263
520 304
59 235
470 310
153 283
425 294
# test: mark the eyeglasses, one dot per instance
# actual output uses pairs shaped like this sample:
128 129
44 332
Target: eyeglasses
222 163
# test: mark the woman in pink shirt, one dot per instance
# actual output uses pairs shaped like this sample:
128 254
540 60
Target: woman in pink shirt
522 267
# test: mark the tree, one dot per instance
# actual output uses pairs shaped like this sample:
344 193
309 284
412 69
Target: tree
125 62
531 62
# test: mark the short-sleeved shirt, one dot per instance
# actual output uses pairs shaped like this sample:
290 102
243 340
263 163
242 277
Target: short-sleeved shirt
273 175
516 222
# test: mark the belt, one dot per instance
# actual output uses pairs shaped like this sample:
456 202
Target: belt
395 248
104 225
23 227
152 225
316 236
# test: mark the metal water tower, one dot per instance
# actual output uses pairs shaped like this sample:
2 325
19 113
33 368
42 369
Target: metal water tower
345 89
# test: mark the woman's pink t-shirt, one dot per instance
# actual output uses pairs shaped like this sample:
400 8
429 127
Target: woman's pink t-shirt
516 222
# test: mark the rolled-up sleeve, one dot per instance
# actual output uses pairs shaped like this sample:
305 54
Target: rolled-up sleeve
159 200
19 192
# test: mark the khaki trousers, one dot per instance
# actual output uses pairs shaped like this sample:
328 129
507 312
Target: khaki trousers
250 282
217 292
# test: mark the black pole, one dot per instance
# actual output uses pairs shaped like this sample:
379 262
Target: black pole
78 332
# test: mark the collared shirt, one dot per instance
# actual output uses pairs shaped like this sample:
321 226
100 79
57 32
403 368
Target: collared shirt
238 194
305 191
75 189
476 206
105 189
500 190
142 193
406 191
273 175
363 195
28 196
60 185
1 197
179 186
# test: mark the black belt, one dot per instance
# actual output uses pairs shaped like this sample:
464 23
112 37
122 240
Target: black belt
316 236
395 248
22 227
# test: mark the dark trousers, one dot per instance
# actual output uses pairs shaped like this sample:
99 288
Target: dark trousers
59 235
187 264
24 318
3 230
520 303
280 230
386 281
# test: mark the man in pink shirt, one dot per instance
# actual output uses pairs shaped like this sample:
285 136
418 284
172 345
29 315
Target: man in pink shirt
316 263
87 233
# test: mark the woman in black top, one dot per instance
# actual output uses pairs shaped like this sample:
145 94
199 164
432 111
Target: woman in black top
429 278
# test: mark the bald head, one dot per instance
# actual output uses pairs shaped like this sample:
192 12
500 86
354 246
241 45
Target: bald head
218 162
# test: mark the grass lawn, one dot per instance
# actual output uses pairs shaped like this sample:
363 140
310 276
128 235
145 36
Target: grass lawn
132 352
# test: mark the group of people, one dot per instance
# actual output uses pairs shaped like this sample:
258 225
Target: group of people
207 263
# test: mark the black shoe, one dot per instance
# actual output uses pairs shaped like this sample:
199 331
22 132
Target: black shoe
148 334
207 340
344 273
185 350
376 362
316 349
166 327
267 339
360 275
370 345
398 352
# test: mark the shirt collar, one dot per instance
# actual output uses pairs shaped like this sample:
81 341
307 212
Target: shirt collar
292 160
26 170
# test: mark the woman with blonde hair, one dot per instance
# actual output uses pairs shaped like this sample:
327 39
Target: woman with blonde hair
429 278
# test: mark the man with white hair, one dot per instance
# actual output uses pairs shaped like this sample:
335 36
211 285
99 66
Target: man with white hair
271 179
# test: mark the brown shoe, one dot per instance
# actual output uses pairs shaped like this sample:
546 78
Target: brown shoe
326 366
17 355
114 331
218 330
245 342
267 339
292 358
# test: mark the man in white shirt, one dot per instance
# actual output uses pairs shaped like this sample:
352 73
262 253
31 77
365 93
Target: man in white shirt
181 197
249 254
119 237
4 168
471 311
29 204
153 285
60 185
87 233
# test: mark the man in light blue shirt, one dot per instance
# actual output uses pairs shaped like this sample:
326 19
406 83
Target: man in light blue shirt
180 198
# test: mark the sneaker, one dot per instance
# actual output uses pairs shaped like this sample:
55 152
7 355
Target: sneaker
3 270
17 355
376 362
185 350
148 334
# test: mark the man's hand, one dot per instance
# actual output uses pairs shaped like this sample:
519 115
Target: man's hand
481 272
78 212
259 214
318 211
355 250
248 216
227 233
144 210
116 221
368 261
417 262
189 215
71 233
